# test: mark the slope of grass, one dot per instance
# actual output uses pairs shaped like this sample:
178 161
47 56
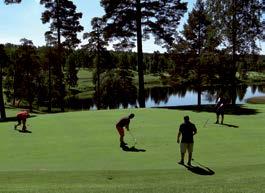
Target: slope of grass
256 100
79 152
86 85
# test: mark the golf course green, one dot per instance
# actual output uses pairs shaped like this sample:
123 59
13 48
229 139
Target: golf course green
78 152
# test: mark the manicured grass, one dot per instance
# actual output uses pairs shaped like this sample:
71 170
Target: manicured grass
86 85
79 152
257 100
256 75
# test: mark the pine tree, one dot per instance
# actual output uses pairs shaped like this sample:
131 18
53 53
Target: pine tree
64 23
97 45
196 33
240 27
130 19
27 71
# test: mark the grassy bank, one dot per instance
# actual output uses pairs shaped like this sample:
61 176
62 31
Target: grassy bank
86 86
79 152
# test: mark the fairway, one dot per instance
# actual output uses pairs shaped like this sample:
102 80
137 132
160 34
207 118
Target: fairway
78 152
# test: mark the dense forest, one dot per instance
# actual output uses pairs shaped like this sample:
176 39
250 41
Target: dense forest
217 46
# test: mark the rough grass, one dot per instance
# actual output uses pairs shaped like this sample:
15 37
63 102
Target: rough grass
79 152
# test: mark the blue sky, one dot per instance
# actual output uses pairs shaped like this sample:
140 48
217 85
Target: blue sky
23 21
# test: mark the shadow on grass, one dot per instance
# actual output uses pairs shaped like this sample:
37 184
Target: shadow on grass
25 131
229 125
200 169
132 149
14 119
230 109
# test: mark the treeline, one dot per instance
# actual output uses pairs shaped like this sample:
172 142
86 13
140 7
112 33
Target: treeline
30 73
214 47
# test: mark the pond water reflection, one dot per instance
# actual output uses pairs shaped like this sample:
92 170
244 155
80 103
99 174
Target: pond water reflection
190 98
168 96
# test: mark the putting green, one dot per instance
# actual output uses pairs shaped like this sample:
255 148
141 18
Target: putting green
79 152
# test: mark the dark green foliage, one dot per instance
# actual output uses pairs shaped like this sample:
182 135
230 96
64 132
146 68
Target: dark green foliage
159 18
64 22
198 43
12 1
116 87
130 21
26 72
239 23
97 46
71 70
52 83
3 62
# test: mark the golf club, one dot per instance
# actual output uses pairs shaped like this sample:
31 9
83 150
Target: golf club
133 138
197 162
205 123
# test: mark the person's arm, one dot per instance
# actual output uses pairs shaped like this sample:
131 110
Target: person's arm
179 134
194 130
127 127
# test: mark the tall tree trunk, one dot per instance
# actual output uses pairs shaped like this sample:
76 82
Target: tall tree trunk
2 104
29 91
234 59
49 89
141 94
14 86
98 82
199 81
199 90
61 76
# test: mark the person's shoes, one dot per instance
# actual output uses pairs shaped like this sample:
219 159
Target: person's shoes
217 122
189 164
123 144
181 162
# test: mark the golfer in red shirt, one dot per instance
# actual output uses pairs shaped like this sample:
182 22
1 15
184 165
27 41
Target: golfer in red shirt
124 122
22 117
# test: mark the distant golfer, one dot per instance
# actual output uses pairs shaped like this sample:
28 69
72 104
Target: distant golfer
22 118
220 109
123 123
186 131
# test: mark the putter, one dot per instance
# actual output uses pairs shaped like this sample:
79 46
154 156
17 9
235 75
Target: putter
205 123
133 138
197 162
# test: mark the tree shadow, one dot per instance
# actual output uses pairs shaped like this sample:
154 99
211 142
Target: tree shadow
14 119
132 149
200 170
230 109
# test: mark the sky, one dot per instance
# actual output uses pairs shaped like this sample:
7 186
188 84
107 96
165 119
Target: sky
22 20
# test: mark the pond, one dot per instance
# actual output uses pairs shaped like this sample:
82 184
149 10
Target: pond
190 98
168 96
